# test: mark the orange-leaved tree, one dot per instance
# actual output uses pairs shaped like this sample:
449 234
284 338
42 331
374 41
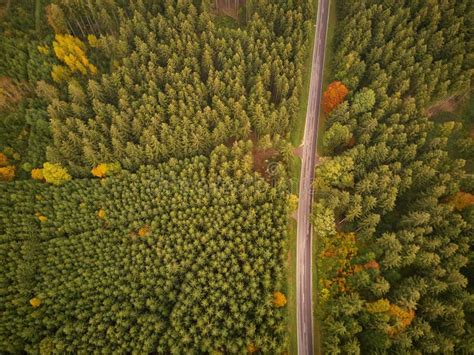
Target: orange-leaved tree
462 200
106 169
3 159
279 299
334 95
7 173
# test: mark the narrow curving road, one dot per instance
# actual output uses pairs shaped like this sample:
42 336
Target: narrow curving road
310 157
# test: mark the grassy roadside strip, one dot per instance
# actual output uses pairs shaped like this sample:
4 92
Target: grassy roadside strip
297 132
317 265
291 289
296 138
328 67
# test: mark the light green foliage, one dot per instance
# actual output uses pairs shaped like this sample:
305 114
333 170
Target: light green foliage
363 101
324 223
335 172
336 136
201 279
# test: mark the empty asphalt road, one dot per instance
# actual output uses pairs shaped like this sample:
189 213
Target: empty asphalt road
310 157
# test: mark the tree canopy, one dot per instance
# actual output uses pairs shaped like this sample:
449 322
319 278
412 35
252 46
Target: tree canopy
393 245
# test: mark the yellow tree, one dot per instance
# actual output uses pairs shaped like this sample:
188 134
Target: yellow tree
71 51
54 174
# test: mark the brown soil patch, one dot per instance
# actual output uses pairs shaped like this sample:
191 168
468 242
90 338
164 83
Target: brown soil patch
4 7
261 158
11 92
449 104
228 7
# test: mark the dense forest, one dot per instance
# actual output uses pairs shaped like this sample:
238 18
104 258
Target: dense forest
394 204
184 257
142 82
137 210
132 218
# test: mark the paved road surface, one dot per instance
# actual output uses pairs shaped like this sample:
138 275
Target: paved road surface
304 235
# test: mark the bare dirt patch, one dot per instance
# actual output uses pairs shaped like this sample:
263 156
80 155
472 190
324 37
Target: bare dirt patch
11 92
262 158
450 104
228 7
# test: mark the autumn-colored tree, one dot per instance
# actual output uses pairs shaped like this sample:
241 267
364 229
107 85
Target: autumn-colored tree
405 317
7 173
339 250
35 302
292 202
99 171
372 264
60 73
71 51
55 174
462 200
93 41
37 174
144 231
101 213
334 95
279 299
40 217
251 348
102 170
3 159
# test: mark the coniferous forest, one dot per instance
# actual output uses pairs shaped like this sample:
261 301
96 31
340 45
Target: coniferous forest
179 258
146 165
144 81
394 193
132 216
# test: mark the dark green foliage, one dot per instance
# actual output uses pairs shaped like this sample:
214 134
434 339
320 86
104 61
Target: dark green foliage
412 244
26 131
24 122
179 85
185 260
